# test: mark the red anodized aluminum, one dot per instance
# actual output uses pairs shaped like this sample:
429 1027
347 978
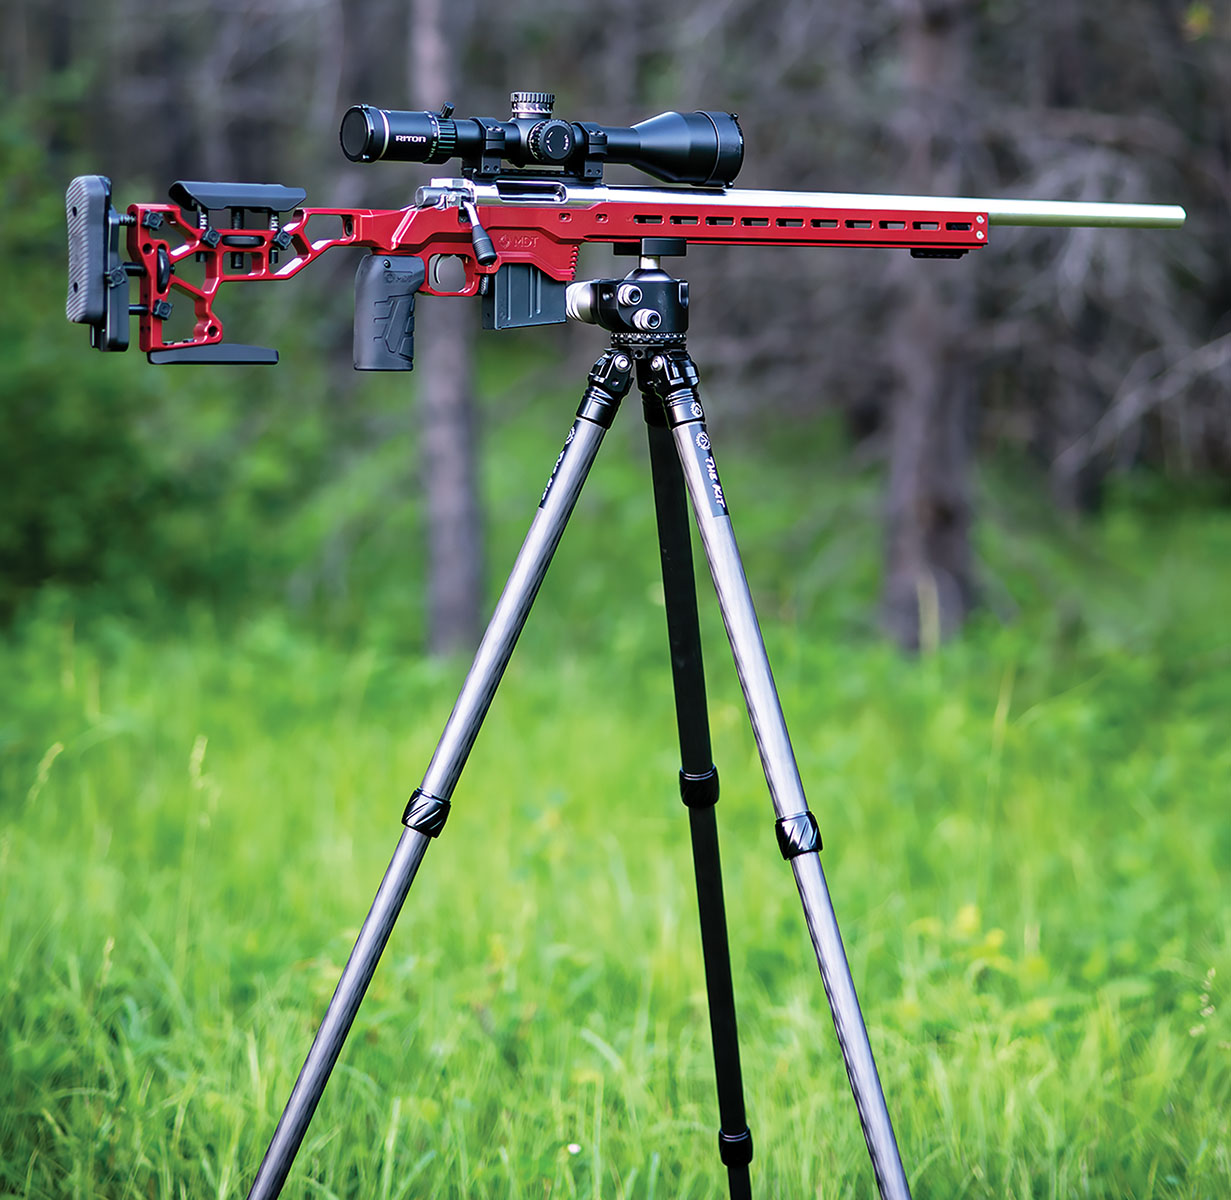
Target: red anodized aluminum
546 236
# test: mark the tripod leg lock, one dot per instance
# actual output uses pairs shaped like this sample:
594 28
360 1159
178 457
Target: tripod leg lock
798 834
609 381
735 1149
425 813
699 791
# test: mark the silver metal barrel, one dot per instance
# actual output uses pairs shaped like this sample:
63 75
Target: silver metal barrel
999 211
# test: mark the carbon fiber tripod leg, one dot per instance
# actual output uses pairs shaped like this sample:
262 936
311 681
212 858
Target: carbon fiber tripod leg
699 791
429 805
670 373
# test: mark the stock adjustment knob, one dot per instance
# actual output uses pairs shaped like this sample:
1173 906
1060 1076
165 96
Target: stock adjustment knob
532 104
551 142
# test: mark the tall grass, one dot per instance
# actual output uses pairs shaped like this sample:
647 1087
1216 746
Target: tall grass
1027 839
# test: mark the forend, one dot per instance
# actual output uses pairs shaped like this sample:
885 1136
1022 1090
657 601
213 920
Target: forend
700 148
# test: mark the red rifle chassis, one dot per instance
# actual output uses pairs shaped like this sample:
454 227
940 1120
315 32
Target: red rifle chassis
546 236
216 233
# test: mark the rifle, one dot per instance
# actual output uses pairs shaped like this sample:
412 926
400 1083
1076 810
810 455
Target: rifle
516 233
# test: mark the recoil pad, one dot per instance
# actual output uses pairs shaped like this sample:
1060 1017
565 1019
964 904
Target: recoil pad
87 204
97 278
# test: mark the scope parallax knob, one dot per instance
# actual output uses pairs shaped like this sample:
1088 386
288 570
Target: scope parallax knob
551 141
532 104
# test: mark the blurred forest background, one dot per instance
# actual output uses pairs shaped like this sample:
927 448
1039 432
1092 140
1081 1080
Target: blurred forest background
229 600
1078 354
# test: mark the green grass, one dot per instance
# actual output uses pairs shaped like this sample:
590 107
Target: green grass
1027 840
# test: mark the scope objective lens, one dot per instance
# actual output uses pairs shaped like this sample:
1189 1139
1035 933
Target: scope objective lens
369 134
364 133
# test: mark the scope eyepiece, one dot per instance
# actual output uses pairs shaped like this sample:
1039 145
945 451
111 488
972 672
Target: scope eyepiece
700 148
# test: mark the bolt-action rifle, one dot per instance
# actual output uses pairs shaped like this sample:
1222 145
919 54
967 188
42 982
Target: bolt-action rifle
515 233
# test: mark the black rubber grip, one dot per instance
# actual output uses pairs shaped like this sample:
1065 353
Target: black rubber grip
385 288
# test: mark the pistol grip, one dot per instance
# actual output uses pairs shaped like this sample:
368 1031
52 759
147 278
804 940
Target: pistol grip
385 288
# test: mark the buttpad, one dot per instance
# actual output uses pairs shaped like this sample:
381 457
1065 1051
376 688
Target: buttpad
97 280
87 204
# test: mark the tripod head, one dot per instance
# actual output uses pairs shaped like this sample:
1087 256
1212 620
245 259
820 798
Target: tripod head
702 148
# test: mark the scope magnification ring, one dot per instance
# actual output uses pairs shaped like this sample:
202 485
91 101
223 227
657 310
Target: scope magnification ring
433 138
444 142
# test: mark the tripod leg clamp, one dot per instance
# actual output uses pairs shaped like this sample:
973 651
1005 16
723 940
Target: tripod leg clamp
735 1149
699 791
798 834
425 813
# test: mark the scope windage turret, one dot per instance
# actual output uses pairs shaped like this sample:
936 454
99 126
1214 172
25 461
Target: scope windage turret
703 148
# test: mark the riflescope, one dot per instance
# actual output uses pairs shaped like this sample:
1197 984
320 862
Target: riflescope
702 148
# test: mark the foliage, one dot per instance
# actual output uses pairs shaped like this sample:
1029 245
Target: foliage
1026 838
139 490
79 490
211 586
150 490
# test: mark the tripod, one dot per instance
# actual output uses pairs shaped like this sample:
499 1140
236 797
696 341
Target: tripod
647 316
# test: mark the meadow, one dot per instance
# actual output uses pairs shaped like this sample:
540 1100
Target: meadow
1027 838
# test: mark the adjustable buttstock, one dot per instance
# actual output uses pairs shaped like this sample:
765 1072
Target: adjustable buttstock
385 288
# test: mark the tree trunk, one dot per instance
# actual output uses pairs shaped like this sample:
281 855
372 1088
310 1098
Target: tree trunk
929 586
444 345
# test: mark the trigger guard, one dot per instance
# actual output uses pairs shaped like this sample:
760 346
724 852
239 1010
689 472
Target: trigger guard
473 281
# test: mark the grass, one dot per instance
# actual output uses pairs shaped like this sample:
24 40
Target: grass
1027 840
